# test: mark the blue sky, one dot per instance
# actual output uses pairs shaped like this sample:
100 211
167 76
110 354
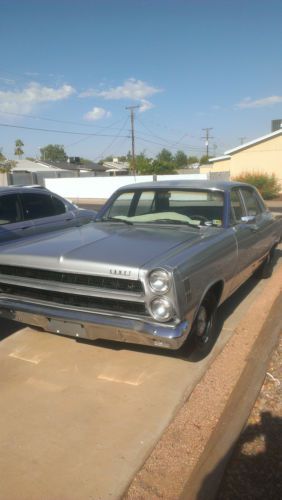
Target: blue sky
74 66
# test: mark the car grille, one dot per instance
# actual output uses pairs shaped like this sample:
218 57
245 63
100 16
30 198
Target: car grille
74 300
108 283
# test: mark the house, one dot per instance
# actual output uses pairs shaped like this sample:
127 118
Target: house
263 154
116 167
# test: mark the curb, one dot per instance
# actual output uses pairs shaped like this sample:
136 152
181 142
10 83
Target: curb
206 476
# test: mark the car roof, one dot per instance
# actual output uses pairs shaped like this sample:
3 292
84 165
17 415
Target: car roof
184 184
23 189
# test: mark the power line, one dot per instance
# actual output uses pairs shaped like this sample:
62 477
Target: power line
34 117
167 143
56 131
117 136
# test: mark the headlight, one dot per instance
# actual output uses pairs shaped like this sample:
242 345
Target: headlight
161 309
159 281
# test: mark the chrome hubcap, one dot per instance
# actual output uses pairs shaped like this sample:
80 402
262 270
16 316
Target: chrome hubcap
202 322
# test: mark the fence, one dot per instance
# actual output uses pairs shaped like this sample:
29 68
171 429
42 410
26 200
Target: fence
103 187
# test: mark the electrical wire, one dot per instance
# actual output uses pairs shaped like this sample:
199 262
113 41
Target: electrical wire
34 117
37 129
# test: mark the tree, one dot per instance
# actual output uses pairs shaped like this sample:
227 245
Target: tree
18 148
204 159
162 168
53 152
2 157
180 159
192 159
143 165
165 156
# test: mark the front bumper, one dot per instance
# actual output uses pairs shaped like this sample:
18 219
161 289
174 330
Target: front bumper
93 326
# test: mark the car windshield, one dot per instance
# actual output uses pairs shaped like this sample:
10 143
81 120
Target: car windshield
168 206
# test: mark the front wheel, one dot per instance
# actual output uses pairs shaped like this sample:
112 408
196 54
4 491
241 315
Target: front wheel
203 329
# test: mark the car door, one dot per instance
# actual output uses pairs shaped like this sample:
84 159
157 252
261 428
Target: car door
12 225
261 224
247 238
46 211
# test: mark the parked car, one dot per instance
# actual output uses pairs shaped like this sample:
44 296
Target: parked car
153 269
31 210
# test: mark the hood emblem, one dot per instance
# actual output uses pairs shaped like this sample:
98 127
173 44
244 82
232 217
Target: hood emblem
120 272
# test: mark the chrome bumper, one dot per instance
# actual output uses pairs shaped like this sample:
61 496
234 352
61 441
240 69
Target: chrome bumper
93 326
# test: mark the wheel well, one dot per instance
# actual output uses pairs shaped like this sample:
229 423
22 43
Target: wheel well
215 291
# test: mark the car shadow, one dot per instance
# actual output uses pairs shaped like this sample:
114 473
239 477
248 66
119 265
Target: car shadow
8 327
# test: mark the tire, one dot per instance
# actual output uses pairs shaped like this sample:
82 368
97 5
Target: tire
265 269
203 329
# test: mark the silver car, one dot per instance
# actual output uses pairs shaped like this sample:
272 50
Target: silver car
153 269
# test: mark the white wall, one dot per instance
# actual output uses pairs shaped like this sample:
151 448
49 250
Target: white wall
103 187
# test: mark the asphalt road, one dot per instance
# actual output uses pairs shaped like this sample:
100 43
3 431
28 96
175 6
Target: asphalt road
78 419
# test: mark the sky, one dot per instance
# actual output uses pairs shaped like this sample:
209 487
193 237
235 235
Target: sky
69 69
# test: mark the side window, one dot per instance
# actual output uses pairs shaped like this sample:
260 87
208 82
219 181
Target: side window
145 203
59 206
9 209
237 209
37 206
251 201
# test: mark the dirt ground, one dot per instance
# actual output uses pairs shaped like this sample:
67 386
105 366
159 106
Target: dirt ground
255 469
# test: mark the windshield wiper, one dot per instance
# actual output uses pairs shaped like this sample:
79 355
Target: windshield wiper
174 222
116 219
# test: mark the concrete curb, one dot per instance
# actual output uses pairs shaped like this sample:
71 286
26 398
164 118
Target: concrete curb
206 476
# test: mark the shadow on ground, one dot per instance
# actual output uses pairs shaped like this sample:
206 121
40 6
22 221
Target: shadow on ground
256 469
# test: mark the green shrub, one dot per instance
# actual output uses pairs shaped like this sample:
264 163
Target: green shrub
267 184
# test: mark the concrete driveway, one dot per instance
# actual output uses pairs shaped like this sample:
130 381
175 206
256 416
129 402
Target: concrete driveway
78 420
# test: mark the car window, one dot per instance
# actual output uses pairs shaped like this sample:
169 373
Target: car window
121 205
237 209
36 206
145 203
205 207
59 206
251 201
10 211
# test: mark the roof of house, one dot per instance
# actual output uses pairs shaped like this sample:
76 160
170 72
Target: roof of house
246 145
91 166
32 166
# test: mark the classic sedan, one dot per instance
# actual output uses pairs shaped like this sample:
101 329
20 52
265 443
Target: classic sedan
152 269
25 211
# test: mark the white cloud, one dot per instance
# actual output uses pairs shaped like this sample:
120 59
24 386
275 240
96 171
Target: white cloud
132 89
25 100
97 114
145 105
259 103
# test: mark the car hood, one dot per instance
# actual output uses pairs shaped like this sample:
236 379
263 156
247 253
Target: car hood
101 248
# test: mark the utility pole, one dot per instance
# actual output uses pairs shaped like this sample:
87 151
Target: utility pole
132 108
207 137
